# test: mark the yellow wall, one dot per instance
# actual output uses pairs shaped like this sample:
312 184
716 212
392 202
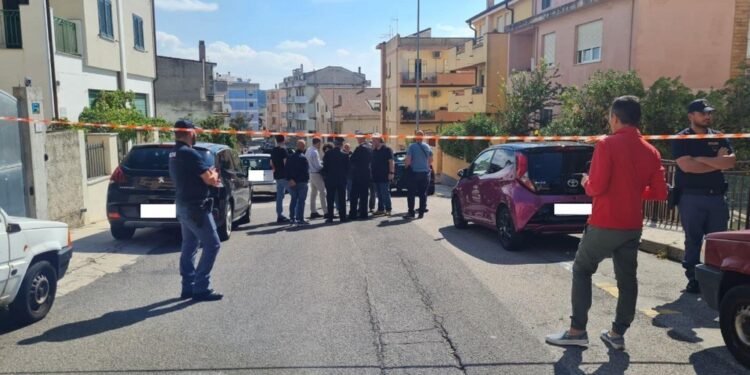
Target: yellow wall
98 51
141 63
450 166
523 10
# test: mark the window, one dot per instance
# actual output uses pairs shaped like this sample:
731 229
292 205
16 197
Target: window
141 104
546 4
589 42
482 163
138 33
106 29
66 36
548 43
500 160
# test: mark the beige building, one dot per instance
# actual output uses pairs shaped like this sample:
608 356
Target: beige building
438 81
95 46
347 111
275 110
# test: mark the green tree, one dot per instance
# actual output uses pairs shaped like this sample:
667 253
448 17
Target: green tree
526 98
479 125
585 111
664 110
216 122
117 107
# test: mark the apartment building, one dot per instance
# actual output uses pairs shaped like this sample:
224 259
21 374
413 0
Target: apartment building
347 110
275 110
75 49
437 83
237 97
301 87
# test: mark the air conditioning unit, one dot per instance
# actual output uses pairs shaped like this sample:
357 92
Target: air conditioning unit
435 93
435 54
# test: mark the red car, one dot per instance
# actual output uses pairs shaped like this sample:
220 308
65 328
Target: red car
519 188
725 286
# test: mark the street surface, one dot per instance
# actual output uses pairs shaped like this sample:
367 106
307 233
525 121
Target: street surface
382 296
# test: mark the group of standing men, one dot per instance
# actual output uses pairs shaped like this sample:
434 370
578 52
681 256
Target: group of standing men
342 175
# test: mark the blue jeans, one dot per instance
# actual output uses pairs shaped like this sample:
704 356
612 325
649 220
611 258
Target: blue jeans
299 196
700 215
383 189
197 226
281 189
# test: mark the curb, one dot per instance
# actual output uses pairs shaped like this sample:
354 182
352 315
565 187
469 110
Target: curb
662 250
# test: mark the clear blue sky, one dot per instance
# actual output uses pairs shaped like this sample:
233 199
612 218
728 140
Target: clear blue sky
264 39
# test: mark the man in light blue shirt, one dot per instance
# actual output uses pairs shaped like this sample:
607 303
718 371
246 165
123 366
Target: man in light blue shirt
418 161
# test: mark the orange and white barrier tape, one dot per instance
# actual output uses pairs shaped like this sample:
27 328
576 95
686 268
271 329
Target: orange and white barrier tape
266 134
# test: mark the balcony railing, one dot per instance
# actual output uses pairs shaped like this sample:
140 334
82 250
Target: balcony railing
479 42
412 115
411 79
460 49
66 36
10 29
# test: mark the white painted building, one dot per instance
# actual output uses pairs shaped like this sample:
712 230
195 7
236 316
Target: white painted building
74 49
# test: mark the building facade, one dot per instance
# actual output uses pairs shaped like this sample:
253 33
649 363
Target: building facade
95 46
439 79
301 87
347 110
275 110
185 88
238 97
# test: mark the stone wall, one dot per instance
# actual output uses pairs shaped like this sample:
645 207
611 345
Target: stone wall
66 181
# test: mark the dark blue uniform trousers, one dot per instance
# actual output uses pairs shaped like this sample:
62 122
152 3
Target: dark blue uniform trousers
700 215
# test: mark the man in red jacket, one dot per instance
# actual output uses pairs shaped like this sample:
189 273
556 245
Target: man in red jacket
625 170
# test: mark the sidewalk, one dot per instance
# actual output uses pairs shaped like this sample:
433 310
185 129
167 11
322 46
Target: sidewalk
663 243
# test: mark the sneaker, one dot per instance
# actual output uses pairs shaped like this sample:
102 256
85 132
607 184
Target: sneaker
408 216
693 287
388 213
421 215
300 223
209 295
315 215
617 343
329 221
282 220
378 213
565 339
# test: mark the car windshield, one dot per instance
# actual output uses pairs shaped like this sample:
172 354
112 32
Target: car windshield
257 163
156 158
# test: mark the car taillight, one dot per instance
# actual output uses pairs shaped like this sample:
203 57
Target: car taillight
118 177
70 239
522 171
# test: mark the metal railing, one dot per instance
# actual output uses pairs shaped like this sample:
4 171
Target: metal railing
66 36
411 79
10 29
96 165
658 214
412 115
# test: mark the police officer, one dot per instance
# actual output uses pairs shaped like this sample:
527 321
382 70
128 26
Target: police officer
700 185
192 176
361 164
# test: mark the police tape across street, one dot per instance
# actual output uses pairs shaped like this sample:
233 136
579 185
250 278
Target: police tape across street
266 134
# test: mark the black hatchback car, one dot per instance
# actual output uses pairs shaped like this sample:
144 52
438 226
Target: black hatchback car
142 195
399 183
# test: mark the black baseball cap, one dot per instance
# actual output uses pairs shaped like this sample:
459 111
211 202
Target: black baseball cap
700 105
184 124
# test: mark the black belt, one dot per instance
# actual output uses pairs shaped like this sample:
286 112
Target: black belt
703 191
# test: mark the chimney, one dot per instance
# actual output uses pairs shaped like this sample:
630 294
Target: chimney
490 3
359 69
202 50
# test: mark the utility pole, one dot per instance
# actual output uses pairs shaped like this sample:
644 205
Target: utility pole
418 68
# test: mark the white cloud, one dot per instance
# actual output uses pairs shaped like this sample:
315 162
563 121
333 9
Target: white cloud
264 67
342 52
186 5
448 31
296 44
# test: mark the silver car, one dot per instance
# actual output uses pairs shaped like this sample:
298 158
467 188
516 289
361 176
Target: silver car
259 173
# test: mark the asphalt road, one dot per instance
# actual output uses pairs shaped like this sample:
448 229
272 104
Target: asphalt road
369 297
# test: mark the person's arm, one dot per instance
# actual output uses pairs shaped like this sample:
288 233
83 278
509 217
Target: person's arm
657 187
314 160
407 161
689 164
210 177
596 182
724 160
199 166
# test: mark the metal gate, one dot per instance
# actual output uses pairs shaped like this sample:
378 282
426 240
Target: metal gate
12 191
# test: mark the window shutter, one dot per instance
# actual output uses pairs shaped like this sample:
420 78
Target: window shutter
590 35
549 48
110 27
141 103
102 19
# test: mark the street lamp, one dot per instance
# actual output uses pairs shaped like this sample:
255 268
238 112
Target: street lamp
418 69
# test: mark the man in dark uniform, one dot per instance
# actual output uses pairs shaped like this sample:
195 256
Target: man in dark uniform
361 161
192 176
336 170
700 185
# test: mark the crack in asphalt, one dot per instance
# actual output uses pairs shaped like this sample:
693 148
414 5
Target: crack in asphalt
437 319
375 326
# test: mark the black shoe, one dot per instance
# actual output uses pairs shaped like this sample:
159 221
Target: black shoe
186 294
352 216
362 217
421 215
282 220
315 215
329 221
408 216
210 295
693 287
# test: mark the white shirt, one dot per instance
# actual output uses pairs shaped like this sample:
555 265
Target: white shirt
313 160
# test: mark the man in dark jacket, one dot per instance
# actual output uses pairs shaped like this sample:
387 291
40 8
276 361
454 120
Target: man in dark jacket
298 176
361 161
335 172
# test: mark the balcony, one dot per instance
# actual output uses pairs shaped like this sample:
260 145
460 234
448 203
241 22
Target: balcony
552 13
10 29
66 37
465 78
476 52
439 116
300 99
301 116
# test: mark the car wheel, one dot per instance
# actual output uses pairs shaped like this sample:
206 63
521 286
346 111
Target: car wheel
506 230
225 228
458 216
246 216
734 319
37 293
120 232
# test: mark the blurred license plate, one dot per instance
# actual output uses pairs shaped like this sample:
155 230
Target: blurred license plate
570 209
158 211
